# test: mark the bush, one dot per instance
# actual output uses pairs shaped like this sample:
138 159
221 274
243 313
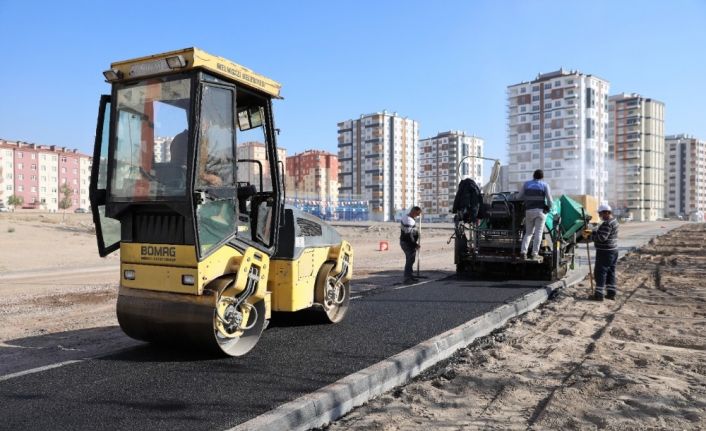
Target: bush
10 229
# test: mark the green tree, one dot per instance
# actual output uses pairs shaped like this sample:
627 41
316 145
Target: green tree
15 200
65 202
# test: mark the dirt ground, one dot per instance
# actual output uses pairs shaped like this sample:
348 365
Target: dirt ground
632 364
635 363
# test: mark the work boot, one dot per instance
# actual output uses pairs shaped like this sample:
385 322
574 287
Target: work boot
597 296
535 258
409 281
610 295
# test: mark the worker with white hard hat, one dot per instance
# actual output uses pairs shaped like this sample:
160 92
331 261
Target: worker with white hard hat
605 239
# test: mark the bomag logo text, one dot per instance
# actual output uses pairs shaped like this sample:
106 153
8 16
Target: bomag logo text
153 251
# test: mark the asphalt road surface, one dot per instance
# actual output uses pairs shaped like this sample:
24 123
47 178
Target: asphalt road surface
148 387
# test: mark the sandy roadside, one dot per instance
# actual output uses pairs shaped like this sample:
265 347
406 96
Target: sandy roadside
634 363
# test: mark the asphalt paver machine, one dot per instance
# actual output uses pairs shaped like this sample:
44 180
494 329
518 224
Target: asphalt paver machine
488 232
187 184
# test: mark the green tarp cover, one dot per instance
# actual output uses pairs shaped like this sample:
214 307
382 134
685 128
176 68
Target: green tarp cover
571 213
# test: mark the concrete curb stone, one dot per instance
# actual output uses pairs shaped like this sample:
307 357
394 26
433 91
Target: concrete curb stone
335 400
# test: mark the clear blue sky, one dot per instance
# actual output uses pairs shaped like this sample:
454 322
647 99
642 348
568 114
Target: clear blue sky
445 64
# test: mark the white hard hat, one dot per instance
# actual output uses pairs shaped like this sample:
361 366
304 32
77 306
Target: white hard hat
604 207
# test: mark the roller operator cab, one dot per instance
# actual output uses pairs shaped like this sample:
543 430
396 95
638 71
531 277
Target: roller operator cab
187 184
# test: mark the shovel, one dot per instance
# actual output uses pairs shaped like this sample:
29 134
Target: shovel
588 252
419 243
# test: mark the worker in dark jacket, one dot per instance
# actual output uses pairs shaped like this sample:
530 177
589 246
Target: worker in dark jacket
605 239
409 241
538 200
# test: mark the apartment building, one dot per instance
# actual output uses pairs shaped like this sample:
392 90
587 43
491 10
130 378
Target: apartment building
38 174
636 156
250 171
685 175
444 160
558 123
313 175
377 155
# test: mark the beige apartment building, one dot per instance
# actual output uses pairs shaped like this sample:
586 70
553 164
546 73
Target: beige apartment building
636 154
558 123
250 171
378 162
444 160
685 175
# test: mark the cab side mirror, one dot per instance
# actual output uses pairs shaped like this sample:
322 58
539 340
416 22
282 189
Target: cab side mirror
250 118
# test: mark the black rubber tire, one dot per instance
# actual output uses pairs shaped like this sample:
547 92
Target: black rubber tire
331 312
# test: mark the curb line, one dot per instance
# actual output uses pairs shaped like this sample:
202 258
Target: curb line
335 400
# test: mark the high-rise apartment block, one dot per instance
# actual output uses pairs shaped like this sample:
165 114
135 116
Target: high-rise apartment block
313 175
378 162
44 175
686 175
636 155
559 123
249 171
444 160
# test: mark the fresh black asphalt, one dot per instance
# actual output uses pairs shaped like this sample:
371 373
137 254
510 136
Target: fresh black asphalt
151 387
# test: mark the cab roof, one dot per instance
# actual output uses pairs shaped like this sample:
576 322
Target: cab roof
195 58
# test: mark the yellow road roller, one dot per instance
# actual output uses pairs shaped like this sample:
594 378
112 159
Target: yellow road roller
187 183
